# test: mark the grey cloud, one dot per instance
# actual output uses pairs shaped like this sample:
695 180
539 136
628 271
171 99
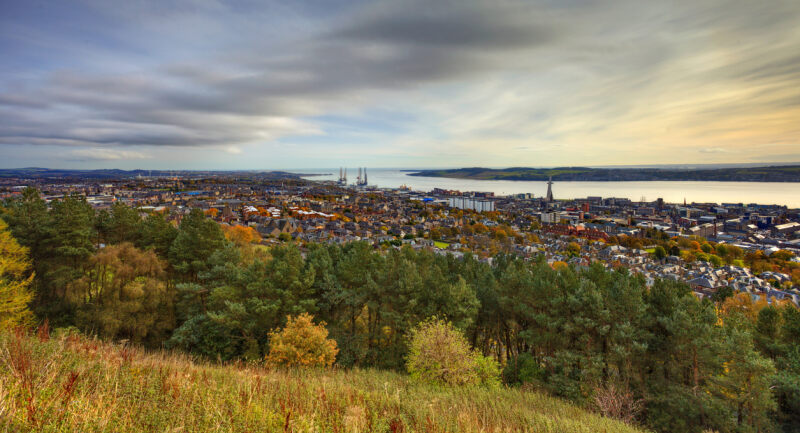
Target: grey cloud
450 24
194 105
600 62
100 154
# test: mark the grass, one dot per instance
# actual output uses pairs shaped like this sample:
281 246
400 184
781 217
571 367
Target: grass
72 383
441 245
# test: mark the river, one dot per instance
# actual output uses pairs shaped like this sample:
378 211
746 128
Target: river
781 193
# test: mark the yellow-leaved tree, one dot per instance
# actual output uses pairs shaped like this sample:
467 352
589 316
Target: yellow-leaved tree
15 281
302 343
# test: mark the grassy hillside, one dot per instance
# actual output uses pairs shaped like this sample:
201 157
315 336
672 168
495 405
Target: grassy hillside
70 383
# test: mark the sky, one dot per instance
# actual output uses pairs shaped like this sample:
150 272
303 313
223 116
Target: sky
212 84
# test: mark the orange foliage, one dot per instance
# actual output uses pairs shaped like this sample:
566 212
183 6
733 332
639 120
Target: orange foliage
742 302
302 343
559 265
212 212
241 235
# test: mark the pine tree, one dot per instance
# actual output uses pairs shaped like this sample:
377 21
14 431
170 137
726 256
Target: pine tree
198 238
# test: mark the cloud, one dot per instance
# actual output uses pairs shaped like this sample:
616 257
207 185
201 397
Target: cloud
714 150
566 81
101 154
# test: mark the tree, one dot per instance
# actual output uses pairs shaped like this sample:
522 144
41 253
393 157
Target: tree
63 255
33 227
745 381
241 235
439 353
782 255
659 253
121 225
743 303
197 239
123 295
301 343
573 249
155 232
15 281
249 299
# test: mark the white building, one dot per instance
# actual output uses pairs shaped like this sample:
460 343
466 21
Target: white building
478 205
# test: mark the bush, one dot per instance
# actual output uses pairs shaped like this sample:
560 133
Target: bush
487 369
301 343
617 402
439 354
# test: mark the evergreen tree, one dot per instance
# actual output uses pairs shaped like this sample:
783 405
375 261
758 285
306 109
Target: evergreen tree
155 232
198 238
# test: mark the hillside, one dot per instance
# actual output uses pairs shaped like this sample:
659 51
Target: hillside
788 173
71 383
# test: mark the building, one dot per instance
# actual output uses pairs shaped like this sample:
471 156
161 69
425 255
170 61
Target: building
471 203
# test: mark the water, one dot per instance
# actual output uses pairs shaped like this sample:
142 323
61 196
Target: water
781 193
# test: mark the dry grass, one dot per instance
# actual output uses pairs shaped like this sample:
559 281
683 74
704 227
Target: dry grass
71 383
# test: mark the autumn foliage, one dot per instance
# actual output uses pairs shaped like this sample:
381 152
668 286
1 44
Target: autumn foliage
440 354
15 281
302 343
241 235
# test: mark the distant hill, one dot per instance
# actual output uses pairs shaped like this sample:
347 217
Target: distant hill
40 173
786 173
82 385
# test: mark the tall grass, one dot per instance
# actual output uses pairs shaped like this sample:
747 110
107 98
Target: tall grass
73 383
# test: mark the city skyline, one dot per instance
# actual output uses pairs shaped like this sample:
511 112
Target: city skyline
265 85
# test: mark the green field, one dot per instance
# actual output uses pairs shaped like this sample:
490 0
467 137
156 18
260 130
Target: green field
75 384
442 245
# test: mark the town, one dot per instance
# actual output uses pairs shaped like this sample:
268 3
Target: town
717 248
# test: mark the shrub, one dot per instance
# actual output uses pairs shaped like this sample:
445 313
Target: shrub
487 369
439 353
617 402
302 343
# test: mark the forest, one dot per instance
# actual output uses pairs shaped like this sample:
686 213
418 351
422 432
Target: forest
676 363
